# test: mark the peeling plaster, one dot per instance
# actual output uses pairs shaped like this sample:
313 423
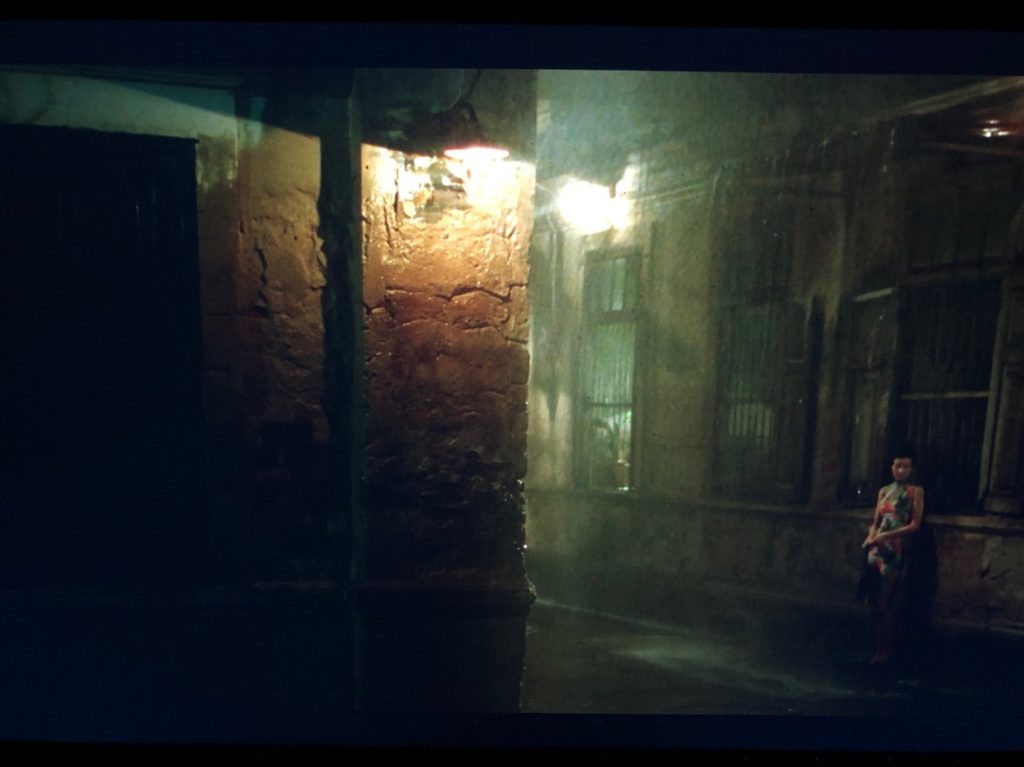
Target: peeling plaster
447 367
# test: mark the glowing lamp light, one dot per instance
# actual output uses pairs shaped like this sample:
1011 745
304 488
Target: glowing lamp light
590 207
481 170
462 137
474 154
993 129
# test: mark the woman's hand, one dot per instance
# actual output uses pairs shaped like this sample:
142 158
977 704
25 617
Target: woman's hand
871 540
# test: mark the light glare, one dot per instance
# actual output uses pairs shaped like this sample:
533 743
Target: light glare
477 153
590 207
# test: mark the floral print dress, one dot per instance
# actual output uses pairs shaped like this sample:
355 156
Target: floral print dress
895 512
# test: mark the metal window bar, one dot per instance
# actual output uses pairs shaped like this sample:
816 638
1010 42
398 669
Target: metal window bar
945 395
609 352
763 410
747 406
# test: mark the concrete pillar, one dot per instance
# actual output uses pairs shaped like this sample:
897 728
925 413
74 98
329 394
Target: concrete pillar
441 585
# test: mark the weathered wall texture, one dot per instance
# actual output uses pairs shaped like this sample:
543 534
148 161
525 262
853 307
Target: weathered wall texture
672 452
445 277
280 271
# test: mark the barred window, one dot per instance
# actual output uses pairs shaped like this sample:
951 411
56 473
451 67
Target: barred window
921 359
872 324
604 430
765 401
945 388
766 360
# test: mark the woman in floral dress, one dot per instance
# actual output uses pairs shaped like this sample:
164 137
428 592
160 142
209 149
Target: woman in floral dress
898 515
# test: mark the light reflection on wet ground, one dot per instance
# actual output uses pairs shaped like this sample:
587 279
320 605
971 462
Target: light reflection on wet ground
582 662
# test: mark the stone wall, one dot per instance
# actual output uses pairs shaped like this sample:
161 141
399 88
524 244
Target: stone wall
274 505
280 272
447 365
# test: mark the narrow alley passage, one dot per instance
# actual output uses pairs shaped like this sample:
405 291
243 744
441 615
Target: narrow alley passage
280 671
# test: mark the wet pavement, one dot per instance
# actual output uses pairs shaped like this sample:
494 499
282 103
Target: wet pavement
671 687
281 672
584 662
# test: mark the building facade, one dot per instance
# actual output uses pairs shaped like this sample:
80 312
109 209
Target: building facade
722 372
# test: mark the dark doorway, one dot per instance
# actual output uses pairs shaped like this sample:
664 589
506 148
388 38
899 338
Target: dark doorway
101 427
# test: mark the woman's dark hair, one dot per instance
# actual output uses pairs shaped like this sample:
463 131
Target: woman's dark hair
905 450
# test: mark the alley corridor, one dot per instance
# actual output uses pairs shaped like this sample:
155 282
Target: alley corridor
278 669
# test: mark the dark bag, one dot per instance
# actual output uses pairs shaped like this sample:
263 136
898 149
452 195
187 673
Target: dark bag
870 581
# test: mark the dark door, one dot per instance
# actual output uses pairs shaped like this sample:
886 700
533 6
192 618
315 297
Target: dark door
101 419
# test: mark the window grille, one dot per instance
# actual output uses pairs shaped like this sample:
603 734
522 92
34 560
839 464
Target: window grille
765 363
944 396
608 361
765 404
